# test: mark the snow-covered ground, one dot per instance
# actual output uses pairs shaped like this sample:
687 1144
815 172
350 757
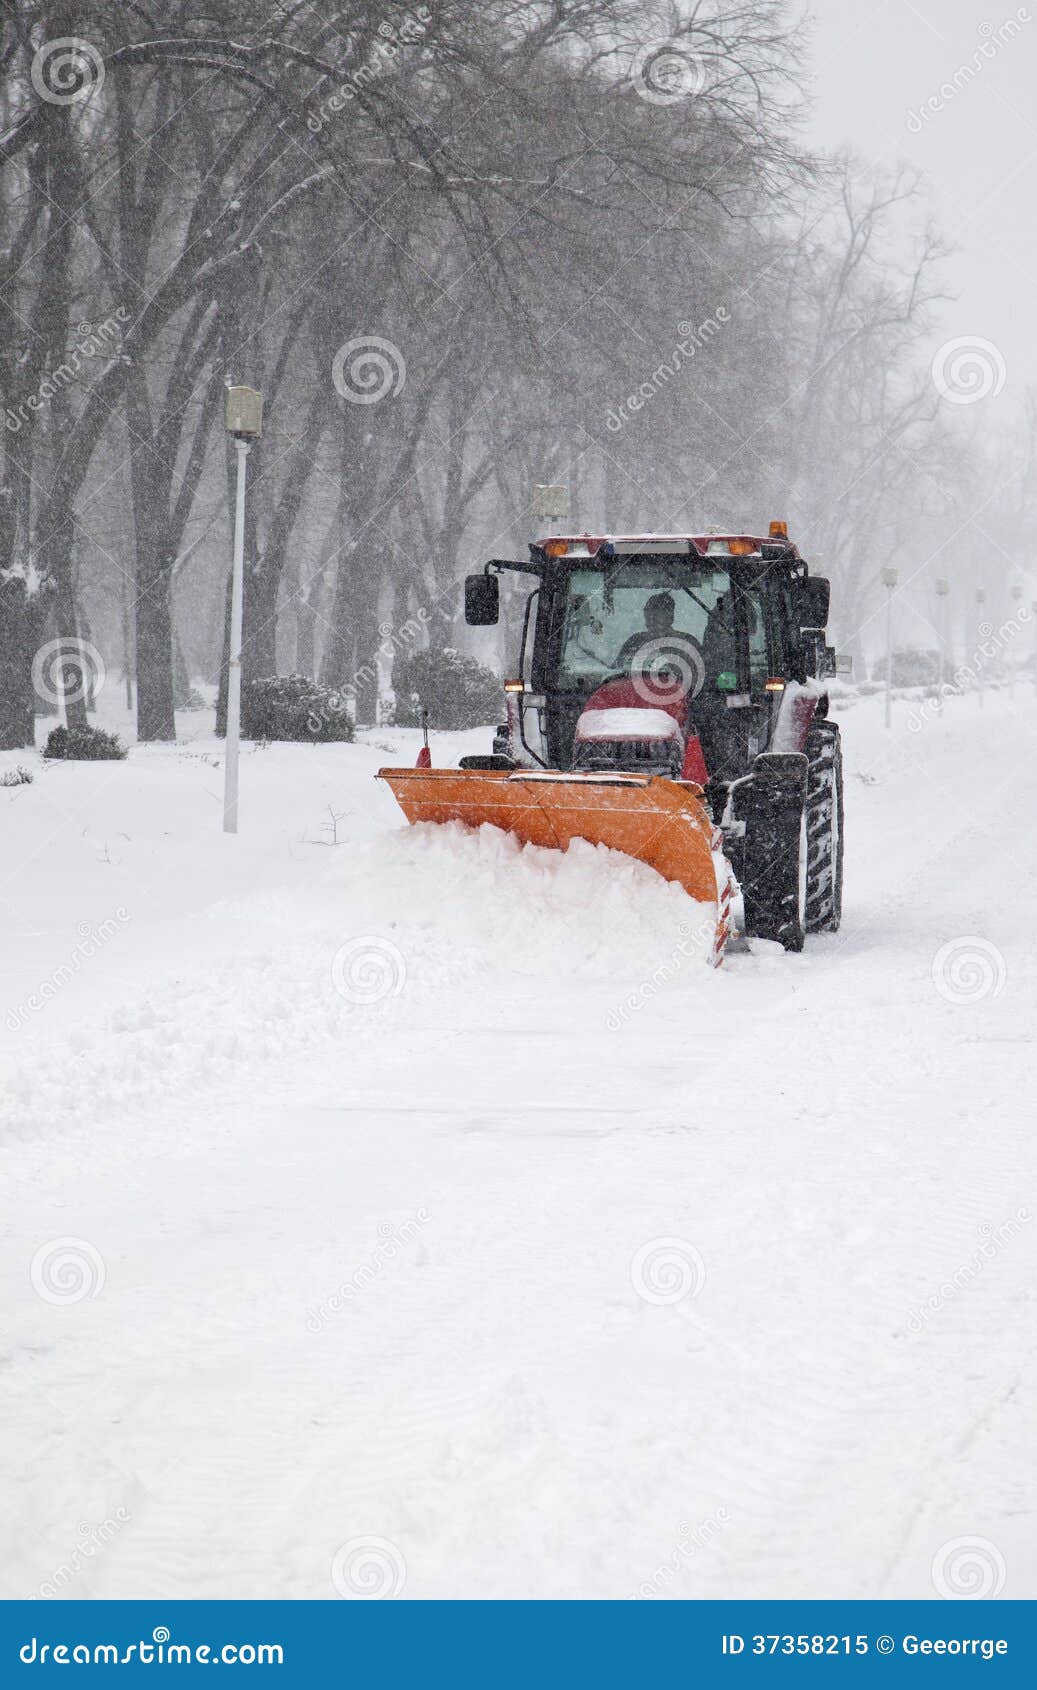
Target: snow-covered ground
392 1211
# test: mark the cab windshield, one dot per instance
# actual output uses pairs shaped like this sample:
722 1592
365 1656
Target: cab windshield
620 617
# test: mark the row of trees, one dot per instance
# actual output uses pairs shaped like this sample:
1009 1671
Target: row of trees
462 250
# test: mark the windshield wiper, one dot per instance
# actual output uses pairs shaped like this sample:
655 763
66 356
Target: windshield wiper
677 582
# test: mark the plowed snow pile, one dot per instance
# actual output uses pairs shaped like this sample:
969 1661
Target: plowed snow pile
588 913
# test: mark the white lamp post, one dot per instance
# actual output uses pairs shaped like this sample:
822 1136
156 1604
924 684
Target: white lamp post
943 629
981 599
244 420
889 581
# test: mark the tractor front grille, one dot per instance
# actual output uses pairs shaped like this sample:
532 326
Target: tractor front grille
634 756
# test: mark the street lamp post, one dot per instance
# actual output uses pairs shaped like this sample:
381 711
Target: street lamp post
244 421
943 629
981 599
889 581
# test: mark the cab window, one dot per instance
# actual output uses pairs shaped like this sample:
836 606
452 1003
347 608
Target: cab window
756 618
606 615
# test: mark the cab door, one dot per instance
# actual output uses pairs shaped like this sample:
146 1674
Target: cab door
760 657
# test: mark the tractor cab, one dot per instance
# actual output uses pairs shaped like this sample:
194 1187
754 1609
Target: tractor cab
663 654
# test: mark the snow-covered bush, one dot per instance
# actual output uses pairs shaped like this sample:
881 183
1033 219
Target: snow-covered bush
294 707
16 777
457 690
911 668
83 745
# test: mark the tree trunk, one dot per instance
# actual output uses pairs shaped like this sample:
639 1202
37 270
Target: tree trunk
181 677
364 680
259 620
154 638
76 671
340 644
19 625
307 611
127 653
85 633
312 603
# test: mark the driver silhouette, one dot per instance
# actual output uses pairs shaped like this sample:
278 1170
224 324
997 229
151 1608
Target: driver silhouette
659 636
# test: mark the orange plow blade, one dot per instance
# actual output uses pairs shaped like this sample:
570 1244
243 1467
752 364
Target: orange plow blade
658 821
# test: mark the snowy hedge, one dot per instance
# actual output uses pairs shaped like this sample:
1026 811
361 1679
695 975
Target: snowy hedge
457 690
294 707
911 668
83 745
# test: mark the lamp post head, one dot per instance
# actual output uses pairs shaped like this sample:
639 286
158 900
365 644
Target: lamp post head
942 588
890 577
244 413
551 500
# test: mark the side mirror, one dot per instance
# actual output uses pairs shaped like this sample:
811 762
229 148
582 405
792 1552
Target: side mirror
815 597
820 656
481 600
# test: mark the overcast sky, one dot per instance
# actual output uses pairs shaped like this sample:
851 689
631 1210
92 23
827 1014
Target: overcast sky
877 65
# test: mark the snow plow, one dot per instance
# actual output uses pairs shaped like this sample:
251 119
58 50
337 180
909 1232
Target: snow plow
670 705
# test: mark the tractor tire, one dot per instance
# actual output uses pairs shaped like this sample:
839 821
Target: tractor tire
792 932
775 886
824 829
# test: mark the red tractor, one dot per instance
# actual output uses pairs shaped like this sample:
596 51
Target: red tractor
671 703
